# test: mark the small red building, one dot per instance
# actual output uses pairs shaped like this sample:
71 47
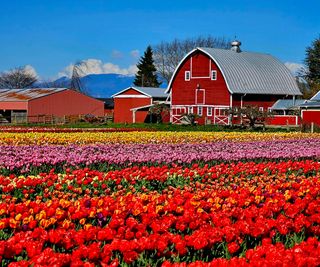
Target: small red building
310 110
208 81
132 104
57 102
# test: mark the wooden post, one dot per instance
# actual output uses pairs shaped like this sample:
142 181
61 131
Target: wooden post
134 116
312 127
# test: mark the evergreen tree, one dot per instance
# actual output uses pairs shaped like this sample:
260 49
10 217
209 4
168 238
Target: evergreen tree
146 75
312 61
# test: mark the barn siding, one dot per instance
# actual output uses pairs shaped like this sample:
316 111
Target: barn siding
131 92
141 116
264 101
122 106
13 105
67 102
283 120
309 116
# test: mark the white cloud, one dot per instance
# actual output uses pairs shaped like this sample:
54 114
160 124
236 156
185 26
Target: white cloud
30 70
295 67
96 66
135 53
67 71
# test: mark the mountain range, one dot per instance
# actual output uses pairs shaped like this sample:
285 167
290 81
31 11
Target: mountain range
105 85
100 85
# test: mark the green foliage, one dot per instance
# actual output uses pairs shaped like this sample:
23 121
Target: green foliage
146 75
251 115
189 119
312 61
158 110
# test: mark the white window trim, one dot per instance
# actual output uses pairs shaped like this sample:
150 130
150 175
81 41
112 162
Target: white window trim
214 77
190 110
186 75
200 109
209 113
131 96
261 109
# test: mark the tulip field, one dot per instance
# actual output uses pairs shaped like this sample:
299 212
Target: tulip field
151 198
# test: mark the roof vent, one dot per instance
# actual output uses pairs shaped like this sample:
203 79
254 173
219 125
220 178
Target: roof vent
235 46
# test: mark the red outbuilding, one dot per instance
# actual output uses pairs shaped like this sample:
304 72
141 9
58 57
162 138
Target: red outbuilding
58 102
310 110
132 104
208 81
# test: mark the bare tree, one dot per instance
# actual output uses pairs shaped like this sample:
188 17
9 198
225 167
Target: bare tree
17 78
167 55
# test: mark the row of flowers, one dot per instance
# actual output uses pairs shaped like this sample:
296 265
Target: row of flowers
16 129
100 136
156 178
250 212
100 156
307 254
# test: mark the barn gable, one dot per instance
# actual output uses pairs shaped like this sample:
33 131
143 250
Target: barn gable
143 91
194 84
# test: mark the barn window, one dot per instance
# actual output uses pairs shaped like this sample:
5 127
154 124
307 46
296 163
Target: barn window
187 75
200 111
213 75
190 110
261 109
209 111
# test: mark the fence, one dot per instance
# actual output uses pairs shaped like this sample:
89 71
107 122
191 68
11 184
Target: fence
51 119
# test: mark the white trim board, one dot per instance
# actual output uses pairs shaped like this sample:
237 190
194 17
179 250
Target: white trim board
132 96
131 87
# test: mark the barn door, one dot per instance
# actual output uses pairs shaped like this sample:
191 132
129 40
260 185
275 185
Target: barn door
200 96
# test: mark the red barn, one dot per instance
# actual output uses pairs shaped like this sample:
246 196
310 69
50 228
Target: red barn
132 104
310 110
208 81
57 102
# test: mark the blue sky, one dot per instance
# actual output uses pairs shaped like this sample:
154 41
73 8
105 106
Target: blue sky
51 35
